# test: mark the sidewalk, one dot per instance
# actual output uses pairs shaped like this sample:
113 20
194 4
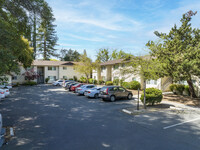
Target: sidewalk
164 105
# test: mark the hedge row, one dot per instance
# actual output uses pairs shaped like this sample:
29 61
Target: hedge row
133 85
179 89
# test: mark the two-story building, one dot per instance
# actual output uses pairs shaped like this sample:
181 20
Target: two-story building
110 70
53 70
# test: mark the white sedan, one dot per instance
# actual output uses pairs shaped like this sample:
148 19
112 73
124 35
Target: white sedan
2 94
58 82
81 90
94 92
6 91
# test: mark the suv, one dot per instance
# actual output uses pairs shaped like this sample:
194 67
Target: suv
114 92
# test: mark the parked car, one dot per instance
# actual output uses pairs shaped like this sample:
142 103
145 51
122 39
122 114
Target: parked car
67 85
72 84
94 92
2 94
74 87
114 92
6 91
58 82
65 81
81 90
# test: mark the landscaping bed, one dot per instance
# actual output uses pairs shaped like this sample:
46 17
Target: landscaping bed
186 100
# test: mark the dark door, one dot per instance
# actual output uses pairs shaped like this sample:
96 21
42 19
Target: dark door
40 71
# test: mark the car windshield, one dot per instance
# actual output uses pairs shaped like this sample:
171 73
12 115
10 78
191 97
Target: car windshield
83 86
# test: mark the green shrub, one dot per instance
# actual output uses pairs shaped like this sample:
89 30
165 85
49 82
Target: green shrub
116 81
121 81
46 80
186 89
153 96
180 88
92 81
126 85
172 87
31 83
83 79
134 85
109 83
101 82
71 79
75 78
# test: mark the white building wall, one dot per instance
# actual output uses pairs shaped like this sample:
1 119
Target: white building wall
152 85
20 77
69 73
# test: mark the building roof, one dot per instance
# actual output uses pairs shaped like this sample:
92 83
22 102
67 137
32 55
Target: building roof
52 63
112 62
119 61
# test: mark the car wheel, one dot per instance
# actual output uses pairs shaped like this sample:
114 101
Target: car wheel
130 96
112 98
57 84
96 96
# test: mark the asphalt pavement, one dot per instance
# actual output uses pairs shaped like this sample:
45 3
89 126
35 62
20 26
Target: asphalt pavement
49 118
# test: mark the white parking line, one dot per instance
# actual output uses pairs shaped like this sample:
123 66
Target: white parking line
181 123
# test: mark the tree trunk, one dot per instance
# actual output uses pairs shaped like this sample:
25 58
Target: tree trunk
144 93
34 36
191 88
45 51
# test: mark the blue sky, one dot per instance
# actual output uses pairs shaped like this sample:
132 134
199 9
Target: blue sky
116 24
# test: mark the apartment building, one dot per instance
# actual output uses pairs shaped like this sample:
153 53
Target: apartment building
53 70
110 70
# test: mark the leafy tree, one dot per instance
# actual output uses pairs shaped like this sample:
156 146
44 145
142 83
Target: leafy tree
14 49
70 55
119 55
85 65
31 74
103 55
16 33
46 33
179 51
147 67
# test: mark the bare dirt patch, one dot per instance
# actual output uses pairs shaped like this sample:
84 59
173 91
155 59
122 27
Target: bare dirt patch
186 100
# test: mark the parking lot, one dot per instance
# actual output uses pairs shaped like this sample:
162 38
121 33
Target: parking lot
47 117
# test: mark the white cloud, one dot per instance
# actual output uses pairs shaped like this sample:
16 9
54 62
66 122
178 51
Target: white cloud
86 39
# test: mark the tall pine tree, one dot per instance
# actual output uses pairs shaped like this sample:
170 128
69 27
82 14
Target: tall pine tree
46 33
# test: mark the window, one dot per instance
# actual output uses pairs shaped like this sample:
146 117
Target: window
116 67
103 68
154 82
65 77
64 68
51 68
52 78
116 78
148 81
121 89
103 78
133 79
14 77
193 81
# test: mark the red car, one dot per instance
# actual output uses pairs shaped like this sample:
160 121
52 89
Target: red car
73 88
